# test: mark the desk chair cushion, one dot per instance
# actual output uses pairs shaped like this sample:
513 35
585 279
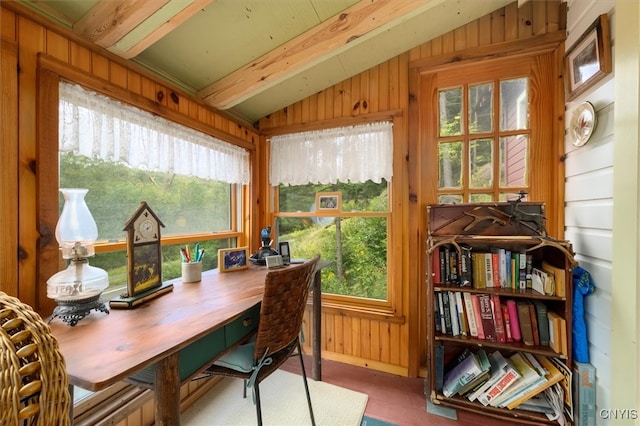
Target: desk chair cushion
240 358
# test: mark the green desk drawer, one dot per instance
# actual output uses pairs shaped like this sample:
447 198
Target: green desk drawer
242 326
199 354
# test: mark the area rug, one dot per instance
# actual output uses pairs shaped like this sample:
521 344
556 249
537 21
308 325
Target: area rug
283 404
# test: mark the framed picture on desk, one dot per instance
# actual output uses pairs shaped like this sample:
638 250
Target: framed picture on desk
233 259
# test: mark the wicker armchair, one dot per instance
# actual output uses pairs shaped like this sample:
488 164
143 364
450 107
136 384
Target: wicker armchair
283 303
34 386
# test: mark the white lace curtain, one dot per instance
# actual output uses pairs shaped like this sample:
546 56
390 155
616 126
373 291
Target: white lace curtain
99 127
346 154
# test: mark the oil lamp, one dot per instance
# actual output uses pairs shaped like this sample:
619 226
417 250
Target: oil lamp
78 289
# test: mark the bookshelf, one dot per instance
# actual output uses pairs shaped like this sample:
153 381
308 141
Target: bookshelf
475 252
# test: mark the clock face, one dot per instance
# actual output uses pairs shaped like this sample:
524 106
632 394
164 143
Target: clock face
147 228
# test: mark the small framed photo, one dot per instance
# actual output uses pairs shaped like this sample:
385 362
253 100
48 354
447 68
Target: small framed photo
328 201
589 59
233 259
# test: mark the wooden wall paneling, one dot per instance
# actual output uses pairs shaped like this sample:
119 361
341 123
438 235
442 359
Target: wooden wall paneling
57 46
511 23
7 25
385 342
471 35
338 333
79 57
383 87
497 26
484 30
101 68
9 213
398 351
373 101
31 39
539 17
525 17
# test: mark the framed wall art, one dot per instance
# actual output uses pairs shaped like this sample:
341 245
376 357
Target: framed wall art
589 59
233 259
328 201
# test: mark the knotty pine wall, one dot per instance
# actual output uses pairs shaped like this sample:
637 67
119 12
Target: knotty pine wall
27 43
362 338
397 344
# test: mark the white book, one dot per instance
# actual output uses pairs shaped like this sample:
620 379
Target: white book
471 318
453 310
498 366
488 269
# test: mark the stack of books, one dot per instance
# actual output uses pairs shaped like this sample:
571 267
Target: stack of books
501 381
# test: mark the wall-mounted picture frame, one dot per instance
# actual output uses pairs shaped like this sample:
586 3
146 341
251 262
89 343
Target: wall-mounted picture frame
233 259
328 201
589 59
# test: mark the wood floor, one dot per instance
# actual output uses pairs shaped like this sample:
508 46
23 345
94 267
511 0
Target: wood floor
393 399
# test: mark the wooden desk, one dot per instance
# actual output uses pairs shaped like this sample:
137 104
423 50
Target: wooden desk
102 350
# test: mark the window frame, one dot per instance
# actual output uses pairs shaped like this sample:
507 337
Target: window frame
49 261
390 308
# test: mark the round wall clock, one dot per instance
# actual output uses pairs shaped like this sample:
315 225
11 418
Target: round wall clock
582 124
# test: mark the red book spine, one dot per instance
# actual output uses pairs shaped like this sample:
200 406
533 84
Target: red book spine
486 314
513 318
435 266
498 321
507 322
475 302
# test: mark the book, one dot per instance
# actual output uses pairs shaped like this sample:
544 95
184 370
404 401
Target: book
446 309
462 315
507 322
497 371
447 265
557 327
534 324
560 278
502 259
495 267
122 302
443 328
453 266
584 393
443 265
566 385
543 322
524 317
471 318
437 317
528 376
477 268
438 352
485 366
488 269
475 303
552 376
435 266
453 310
461 374
513 320
465 267
486 316
510 376
528 270
498 320
522 270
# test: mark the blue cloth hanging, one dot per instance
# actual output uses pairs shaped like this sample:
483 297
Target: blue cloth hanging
582 286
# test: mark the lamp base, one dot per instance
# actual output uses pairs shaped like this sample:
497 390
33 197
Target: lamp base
72 311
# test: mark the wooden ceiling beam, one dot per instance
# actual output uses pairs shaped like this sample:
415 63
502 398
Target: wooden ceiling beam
110 20
328 38
164 29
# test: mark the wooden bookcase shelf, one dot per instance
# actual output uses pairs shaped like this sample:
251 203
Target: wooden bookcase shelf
517 227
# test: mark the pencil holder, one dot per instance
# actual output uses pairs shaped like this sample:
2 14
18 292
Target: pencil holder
191 272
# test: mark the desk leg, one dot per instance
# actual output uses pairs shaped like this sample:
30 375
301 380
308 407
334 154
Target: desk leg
316 367
167 390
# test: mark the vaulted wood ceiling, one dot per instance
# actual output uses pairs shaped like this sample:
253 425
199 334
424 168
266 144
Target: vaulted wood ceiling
253 57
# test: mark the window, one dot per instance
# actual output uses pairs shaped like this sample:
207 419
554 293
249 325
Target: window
356 164
124 155
483 140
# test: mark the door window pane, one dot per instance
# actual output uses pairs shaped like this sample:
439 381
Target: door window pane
450 164
450 106
481 108
513 160
514 104
480 163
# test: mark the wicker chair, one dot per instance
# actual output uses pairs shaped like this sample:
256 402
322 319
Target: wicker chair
34 386
283 303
